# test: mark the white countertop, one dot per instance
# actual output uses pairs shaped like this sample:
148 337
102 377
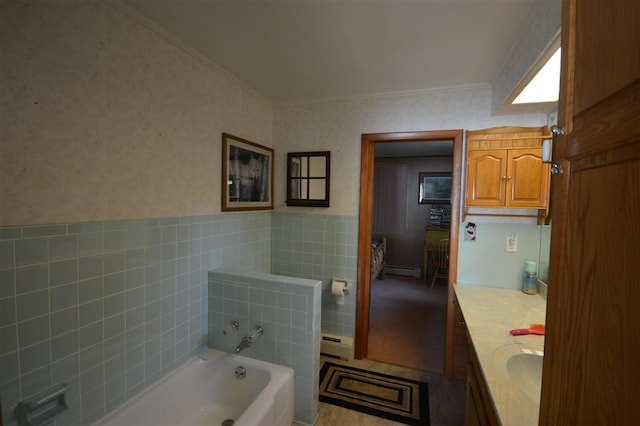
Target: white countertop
490 313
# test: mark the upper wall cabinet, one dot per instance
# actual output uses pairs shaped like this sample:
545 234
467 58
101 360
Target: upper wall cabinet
308 178
505 172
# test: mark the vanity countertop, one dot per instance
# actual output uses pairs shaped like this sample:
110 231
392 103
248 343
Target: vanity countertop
489 314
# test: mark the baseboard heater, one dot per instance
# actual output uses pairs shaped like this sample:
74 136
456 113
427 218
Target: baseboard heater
403 270
337 346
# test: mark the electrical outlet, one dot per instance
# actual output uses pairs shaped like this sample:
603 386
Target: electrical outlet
512 243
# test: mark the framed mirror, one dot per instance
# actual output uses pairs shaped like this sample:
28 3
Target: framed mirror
308 178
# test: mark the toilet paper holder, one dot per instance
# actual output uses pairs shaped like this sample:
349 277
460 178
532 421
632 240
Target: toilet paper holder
347 284
339 290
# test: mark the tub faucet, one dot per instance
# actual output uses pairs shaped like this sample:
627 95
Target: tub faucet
250 338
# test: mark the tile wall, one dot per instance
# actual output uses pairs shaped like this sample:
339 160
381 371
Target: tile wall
288 310
485 261
319 247
111 307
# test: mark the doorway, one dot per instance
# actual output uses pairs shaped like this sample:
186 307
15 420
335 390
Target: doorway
406 310
365 226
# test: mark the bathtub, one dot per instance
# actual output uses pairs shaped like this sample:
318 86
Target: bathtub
206 391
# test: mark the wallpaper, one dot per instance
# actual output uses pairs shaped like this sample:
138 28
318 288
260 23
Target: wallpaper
338 127
541 27
103 117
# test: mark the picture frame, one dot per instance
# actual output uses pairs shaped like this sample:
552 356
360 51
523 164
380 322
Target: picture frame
435 188
247 175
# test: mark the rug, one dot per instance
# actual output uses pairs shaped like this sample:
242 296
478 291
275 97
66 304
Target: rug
393 398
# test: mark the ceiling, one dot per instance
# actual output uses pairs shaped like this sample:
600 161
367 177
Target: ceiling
309 50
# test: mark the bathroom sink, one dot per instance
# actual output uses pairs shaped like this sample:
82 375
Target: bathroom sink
522 366
525 369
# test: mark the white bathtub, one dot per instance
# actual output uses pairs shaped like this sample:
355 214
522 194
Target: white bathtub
207 392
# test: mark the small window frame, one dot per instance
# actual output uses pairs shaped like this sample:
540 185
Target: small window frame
301 183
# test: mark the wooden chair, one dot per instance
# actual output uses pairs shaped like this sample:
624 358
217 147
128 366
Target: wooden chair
440 257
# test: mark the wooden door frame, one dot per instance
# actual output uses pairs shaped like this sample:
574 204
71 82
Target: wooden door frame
363 295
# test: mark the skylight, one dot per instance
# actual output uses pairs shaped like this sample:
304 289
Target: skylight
545 86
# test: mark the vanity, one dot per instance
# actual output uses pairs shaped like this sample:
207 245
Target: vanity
504 371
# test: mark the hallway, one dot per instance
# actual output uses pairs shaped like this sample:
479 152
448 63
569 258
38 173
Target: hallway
407 323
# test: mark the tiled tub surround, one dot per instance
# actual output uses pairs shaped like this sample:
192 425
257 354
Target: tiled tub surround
111 307
288 309
319 247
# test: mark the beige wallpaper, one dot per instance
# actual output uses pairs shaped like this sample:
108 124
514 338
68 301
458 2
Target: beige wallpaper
338 127
105 117
538 32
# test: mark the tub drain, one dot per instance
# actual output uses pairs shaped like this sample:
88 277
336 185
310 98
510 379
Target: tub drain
228 422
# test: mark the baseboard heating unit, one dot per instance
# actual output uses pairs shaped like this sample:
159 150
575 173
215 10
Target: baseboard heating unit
338 346
403 270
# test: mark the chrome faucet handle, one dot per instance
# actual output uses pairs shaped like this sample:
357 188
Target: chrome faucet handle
255 334
233 326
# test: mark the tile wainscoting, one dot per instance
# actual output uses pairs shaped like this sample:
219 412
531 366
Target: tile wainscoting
111 307
319 247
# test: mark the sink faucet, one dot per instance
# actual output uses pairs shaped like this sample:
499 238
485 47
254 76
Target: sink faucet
250 338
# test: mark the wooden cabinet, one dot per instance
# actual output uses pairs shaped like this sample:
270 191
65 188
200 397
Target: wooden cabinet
460 344
479 409
507 178
505 170
590 374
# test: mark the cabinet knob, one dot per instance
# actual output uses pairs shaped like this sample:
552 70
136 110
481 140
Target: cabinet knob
558 131
461 322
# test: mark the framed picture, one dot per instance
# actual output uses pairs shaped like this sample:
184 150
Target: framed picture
247 175
435 188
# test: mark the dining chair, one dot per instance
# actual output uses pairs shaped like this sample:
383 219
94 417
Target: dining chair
440 260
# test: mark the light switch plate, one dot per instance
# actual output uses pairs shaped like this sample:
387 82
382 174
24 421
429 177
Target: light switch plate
512 243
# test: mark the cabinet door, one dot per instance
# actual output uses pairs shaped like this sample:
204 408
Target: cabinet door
472 415
460 345
486 174
479 409
528 179
590 373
